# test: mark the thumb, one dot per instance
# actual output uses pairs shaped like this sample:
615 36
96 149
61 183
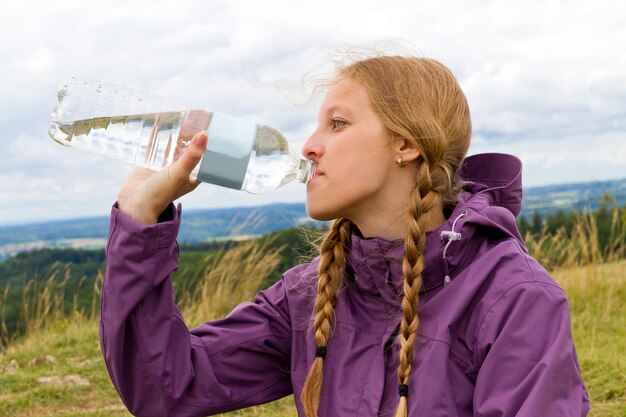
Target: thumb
191 157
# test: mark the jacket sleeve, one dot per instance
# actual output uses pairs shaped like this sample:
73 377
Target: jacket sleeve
157 365
528 363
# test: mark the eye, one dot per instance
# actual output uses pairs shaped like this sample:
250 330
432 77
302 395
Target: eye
338 123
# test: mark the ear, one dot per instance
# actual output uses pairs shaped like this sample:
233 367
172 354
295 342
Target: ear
405 149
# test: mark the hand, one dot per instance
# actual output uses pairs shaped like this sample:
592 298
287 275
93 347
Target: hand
146 193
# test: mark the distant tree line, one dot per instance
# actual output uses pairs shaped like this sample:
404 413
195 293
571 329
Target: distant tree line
609 218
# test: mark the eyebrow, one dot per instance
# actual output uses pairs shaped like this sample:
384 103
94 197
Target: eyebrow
339 107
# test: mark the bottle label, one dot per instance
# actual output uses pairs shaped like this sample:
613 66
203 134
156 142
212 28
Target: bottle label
230 142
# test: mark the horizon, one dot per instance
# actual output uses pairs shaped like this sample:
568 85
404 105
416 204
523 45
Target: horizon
542 80
201 209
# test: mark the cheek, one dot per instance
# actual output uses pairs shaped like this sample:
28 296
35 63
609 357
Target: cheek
352 178
366 173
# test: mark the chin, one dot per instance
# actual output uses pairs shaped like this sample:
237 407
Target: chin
320 213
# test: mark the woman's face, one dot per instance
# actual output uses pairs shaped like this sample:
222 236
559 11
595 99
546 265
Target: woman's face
353 154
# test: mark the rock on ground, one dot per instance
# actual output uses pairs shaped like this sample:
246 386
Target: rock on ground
64 381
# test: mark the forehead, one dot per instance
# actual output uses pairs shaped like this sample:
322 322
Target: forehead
347 94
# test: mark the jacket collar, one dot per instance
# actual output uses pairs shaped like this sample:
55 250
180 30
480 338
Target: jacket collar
491 199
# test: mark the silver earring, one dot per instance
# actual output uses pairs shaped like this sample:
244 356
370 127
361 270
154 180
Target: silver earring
400 163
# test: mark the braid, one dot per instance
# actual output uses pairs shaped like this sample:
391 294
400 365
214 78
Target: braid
423 199
418 100
332 251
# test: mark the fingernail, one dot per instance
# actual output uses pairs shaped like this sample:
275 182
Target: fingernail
201 139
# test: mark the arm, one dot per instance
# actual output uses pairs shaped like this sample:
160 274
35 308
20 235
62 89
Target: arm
156 364
528 364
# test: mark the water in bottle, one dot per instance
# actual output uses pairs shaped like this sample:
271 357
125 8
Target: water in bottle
152 132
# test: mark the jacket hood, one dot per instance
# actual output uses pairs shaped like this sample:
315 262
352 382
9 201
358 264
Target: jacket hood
484 214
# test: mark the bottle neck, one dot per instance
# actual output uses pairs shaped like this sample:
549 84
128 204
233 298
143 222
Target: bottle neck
305 170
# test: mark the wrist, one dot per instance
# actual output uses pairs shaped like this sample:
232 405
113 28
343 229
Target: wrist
140 214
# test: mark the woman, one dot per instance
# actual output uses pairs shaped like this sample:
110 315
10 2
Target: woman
423 301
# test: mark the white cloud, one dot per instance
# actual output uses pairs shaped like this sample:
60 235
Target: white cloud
543 79
570 159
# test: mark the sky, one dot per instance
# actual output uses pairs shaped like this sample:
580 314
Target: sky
545 81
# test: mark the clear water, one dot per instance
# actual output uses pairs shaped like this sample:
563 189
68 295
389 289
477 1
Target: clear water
150 140
153 132
273 163
156 140
268 172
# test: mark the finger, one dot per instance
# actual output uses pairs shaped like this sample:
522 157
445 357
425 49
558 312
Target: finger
173 182
181 169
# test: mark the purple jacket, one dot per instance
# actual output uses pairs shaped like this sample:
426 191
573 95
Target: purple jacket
494 336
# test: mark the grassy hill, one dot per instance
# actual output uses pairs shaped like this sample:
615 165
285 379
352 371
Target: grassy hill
72 273
597 296
89 393
56 368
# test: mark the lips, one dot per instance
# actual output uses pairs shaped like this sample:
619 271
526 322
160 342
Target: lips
316 173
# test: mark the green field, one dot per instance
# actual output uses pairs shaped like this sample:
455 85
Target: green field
597 296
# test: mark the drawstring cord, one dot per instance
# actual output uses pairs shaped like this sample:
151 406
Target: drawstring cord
451 235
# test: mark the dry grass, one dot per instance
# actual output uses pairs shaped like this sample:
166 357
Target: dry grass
579 247
594 280
231 277
44 303
597 296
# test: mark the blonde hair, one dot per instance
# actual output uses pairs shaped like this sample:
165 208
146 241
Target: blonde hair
419 100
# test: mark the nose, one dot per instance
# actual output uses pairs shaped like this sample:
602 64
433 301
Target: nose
312 148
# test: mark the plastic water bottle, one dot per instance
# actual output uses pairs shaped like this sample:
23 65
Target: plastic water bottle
152 132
